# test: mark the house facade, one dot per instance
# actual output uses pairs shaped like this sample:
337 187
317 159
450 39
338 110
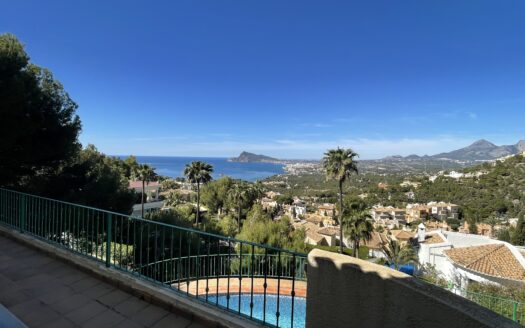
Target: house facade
151 189
326 210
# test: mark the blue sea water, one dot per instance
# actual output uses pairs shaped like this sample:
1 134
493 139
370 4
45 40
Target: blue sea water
285 308
174 167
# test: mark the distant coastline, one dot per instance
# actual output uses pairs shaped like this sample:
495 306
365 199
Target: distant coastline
174 166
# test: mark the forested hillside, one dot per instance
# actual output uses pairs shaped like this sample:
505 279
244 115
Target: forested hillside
499 191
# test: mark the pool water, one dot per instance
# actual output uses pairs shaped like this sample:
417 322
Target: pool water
285 308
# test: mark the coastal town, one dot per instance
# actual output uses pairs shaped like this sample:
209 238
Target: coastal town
435 232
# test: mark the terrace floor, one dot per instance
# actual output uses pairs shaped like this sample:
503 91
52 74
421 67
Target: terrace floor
45 292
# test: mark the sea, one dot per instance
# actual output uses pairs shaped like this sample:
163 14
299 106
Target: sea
174 167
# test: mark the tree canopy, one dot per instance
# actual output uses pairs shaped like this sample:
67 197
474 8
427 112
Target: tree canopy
260 228
39 127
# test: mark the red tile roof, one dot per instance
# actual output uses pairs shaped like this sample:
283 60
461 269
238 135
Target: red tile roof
495 260
138 184
329 231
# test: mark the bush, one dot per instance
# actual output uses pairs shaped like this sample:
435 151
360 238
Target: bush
514 293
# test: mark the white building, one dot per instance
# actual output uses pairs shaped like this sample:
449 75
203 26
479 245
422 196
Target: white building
375 245
151 191
331 234
463 258
299 208
443 211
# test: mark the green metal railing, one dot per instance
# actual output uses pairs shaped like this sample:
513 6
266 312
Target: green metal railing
512 309
220 265
175 257
508 308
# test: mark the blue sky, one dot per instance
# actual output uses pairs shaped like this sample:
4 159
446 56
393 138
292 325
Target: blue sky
284 78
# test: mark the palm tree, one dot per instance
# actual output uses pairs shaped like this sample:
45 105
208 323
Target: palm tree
258 190
239 195
339 164
397 254
200 173
357 226
146 174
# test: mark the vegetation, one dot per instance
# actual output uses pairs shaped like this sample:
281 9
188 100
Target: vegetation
39 148
429 274
515 293
39 125
260 228
339 164
145 174
398 255
356 224
518 235
90 178
492 197
214 195
239 195
198 173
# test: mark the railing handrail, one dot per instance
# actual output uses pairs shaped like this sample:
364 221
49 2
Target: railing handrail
200 232
225 256
499 298
471 292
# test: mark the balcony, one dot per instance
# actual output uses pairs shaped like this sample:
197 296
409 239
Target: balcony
80 266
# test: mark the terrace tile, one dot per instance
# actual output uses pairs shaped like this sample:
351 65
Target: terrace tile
45 292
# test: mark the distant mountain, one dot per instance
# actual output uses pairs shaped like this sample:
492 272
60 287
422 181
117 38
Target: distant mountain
483 150
521 146
479 151
246 157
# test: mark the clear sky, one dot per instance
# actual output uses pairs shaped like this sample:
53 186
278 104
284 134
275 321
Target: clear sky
284 78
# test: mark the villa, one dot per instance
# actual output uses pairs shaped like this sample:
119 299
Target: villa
375 245
402 236
152 189
464 258
296 209
443 211
331 235
415 212
483 229
388 212
328 210
268 203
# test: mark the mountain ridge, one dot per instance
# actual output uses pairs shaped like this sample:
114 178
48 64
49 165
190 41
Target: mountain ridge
482 150
475 153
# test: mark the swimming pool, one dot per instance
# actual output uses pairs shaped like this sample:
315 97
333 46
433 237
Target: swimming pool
285 308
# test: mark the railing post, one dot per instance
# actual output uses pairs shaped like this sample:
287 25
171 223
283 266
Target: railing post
22 212
515 312
108 240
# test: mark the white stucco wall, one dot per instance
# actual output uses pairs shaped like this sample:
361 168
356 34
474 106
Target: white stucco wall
433 254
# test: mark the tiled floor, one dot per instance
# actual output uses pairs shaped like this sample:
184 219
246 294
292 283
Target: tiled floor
45 292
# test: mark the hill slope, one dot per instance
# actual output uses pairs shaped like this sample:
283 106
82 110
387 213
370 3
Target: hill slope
483 150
